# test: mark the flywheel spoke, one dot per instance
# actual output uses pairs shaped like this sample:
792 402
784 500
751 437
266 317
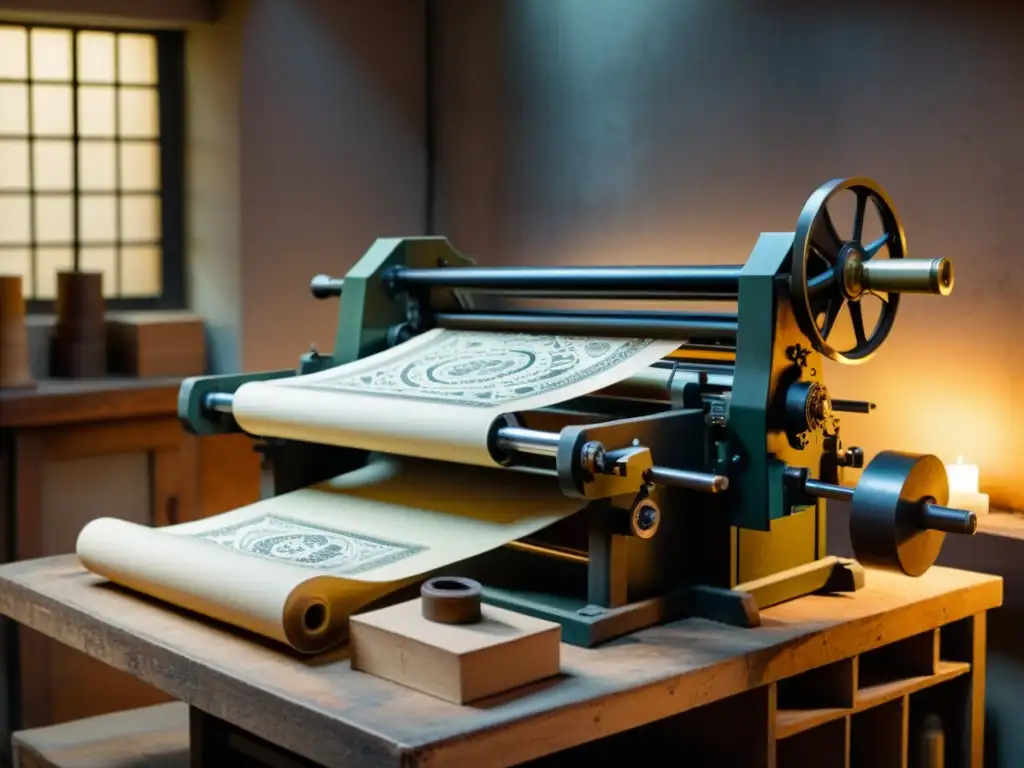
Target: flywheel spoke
857 317
874 247
858 216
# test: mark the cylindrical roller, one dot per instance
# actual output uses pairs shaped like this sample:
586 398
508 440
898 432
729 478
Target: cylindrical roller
525 440
934 276
592 324
656 383
886 517
705 282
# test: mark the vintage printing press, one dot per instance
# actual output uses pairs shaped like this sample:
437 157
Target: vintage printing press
702 481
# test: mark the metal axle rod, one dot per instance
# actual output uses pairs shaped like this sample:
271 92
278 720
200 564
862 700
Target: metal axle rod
541 443
931 516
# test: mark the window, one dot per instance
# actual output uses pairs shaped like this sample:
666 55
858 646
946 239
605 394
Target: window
90 162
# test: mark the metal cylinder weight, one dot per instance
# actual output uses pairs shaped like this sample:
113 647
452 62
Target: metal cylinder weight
898 517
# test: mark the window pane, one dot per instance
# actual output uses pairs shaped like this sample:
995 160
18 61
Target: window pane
18 261
13 108
51 110
141 272
51 54
140 217
50 261
136 59
97 219
13 52
103 260
96 111
52 165
13 165
140 166
14 219
53 219
96 166
139 113
95 57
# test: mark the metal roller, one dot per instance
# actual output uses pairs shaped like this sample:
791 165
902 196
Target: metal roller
641 282
898 518
656 325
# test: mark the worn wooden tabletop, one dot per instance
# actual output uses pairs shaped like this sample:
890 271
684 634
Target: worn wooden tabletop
321 709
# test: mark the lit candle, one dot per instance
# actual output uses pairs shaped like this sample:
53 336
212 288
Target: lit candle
963 487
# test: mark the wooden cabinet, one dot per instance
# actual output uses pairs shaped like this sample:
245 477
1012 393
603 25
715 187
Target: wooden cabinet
74 451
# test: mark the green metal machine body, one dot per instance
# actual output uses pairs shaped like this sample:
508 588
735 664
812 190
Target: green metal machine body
732 457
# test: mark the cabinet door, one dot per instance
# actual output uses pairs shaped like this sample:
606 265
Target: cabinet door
145 471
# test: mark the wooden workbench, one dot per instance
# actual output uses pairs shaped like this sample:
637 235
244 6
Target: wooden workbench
824 678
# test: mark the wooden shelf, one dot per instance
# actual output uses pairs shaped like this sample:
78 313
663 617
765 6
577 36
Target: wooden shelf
59 402
1009 525
871 709
789 722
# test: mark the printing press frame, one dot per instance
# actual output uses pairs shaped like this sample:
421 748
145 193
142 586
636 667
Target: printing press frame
702 483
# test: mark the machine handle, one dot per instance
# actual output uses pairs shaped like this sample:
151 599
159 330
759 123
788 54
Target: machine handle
325 286
852 406
934 276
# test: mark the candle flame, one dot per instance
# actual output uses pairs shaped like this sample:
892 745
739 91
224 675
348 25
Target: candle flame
959 459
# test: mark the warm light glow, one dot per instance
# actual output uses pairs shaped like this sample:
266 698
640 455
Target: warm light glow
963 487
13 48
963 477
51 54
117 98
136 59
96 57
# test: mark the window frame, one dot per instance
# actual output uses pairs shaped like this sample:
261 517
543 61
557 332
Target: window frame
170 47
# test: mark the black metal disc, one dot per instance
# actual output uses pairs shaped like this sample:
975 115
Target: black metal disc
885 517
815 282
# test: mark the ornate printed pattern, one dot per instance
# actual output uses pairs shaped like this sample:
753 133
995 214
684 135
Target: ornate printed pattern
487 369
278 538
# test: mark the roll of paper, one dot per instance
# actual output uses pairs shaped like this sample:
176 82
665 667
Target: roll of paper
293 568
438 395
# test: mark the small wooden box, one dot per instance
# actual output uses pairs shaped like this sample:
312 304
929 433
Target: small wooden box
457 663
148 344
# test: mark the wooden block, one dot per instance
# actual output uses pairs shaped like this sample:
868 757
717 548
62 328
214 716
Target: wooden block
148 737
458 663
149 344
